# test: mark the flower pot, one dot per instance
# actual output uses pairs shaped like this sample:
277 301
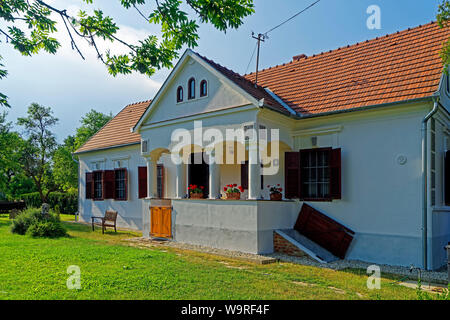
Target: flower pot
233 195
196 195
276 196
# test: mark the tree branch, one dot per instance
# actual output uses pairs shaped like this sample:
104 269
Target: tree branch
73 43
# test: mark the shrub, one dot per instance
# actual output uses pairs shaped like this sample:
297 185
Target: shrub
23 221
46 228
33 223
66 201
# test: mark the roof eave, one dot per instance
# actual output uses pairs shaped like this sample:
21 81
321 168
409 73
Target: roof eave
376 106
106 148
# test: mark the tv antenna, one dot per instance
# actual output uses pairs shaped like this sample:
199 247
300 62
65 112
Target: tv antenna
263 36
259 38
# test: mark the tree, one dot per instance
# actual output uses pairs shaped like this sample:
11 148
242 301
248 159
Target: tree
177 27
443 20
3 74
13 181
92 122
39 148
65 168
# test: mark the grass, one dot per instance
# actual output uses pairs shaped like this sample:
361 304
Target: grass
111 269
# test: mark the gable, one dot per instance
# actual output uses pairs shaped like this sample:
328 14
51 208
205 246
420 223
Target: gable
220 95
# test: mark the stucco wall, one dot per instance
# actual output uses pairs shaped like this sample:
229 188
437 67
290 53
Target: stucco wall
245 226
130 211
381 198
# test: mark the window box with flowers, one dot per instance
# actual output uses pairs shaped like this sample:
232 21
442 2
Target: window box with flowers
233 191
275 192
195 192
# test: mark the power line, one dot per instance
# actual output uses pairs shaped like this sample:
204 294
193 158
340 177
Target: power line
263 36
251 58
295 15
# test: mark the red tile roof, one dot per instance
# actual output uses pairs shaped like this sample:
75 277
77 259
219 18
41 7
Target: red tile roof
117 131
402 66
398 67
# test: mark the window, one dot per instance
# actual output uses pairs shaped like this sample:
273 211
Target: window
180 94
203 88
313 174
160 180
191 88
98 185
120 184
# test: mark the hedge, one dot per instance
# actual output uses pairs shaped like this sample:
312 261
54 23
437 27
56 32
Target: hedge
65 202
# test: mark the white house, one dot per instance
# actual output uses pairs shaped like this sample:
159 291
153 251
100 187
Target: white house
346 132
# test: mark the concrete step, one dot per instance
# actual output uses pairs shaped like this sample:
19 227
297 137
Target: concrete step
309 247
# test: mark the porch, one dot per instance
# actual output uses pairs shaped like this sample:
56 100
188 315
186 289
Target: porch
240 225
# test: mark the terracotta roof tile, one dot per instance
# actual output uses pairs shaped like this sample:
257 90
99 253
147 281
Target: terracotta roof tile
117 131
401 66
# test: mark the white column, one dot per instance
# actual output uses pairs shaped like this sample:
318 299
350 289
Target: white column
254 172
214 174
151 178
180 183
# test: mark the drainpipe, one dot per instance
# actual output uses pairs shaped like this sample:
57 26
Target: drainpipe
424 182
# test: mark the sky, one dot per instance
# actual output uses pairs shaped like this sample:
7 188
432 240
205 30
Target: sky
72 86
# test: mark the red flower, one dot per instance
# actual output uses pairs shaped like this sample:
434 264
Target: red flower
281 189
278 184
235 185
241 189
202 187
224 188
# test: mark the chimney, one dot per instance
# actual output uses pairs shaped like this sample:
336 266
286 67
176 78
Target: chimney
298 57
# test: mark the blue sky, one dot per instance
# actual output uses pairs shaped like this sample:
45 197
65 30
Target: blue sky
72 86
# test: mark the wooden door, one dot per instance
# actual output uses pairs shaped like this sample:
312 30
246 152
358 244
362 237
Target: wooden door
161 222
324 231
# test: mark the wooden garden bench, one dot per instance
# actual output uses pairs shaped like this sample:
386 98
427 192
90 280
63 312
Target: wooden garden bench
109 220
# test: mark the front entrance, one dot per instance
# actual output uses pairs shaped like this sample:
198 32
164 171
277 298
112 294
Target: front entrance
198 172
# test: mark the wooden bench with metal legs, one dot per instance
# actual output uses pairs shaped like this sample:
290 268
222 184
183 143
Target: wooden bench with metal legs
110 216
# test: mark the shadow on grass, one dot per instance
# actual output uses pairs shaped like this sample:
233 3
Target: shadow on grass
78 227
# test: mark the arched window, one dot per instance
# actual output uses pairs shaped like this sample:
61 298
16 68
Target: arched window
180 94
191 88
203 88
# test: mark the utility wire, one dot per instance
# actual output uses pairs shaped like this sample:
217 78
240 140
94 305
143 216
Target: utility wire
251 58
295 15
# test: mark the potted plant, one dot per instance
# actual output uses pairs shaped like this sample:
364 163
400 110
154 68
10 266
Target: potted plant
275 192
233 191
195 192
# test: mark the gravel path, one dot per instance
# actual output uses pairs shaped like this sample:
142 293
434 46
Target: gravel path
429 276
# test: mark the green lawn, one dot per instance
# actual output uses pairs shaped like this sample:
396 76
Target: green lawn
110 269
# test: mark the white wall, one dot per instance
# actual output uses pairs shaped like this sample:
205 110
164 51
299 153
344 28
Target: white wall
381 199
130 211
244 225
220 95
